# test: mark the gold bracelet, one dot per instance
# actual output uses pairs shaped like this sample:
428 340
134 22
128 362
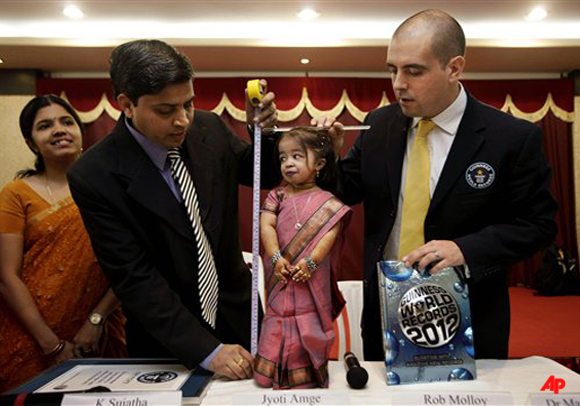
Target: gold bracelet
56 350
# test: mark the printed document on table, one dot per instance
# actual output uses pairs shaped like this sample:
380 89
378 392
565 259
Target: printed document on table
119 378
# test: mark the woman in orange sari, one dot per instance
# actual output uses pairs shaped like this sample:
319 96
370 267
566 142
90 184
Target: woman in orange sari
55 302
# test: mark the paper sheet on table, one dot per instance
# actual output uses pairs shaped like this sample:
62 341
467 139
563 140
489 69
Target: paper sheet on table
119 378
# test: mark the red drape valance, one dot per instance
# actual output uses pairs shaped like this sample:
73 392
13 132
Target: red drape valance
528 96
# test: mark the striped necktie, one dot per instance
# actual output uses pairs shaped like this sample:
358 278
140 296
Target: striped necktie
207 272
417 198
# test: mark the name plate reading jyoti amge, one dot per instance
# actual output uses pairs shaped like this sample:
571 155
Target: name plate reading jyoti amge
293 397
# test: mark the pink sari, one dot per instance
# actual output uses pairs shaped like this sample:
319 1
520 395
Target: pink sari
297 332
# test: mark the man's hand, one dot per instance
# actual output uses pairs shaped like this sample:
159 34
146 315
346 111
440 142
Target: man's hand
232 361
335 130
441 253
86 340
269 114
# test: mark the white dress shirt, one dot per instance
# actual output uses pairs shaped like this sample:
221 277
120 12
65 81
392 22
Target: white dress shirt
439 141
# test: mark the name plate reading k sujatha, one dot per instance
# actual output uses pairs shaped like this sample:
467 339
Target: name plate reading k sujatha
161 398
426 321
453 398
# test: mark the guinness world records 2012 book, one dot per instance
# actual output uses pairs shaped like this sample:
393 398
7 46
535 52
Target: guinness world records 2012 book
161 371
426 324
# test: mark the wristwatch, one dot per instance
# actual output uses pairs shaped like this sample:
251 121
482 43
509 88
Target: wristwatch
96 319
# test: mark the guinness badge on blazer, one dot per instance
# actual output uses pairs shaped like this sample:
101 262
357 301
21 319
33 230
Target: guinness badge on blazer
480 175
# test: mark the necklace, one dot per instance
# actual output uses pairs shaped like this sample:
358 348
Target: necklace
298 225
49 190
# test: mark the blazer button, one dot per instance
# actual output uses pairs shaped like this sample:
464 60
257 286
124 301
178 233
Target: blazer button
392 214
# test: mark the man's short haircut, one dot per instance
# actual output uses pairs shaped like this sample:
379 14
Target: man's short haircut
448 38
144 67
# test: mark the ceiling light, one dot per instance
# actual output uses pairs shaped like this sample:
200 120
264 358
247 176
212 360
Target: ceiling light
73 12
304 61
1 60
308 14
537 14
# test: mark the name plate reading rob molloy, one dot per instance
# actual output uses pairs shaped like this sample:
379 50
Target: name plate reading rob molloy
453 399
426 323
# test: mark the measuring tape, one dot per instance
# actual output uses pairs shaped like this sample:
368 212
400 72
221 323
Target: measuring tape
256 94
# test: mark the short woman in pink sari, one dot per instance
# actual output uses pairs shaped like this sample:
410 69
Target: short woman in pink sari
301 227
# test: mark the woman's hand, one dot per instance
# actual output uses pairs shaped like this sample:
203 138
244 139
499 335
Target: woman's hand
282 270
301 273
66 353
86 341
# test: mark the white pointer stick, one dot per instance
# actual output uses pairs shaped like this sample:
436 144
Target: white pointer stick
345 128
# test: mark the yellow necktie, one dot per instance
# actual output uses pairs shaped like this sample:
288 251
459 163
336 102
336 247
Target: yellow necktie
416 198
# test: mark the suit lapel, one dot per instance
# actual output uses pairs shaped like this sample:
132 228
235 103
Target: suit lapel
145 183
467 142
395 150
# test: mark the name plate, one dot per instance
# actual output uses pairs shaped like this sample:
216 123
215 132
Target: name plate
454 398
293 397
572 399
157 398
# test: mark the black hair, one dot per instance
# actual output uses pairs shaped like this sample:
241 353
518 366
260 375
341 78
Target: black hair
448 38
27 117
320 142
145 67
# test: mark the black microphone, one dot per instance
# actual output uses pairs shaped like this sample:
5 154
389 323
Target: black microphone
356 376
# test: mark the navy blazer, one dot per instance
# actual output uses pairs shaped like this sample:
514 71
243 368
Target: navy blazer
145 244
494 225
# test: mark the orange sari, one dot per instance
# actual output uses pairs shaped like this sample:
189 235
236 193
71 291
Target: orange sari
62 274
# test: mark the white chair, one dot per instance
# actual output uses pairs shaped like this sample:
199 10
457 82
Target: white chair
261 276
347 325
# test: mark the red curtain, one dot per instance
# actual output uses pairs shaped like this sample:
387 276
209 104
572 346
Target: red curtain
366 94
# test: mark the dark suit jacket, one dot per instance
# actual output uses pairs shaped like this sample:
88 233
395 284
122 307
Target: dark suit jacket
493 226
144 240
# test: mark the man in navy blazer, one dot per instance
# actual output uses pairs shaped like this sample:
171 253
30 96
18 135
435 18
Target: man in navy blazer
489 181
138 223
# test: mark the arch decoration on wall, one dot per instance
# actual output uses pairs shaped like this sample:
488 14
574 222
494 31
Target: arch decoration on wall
225 104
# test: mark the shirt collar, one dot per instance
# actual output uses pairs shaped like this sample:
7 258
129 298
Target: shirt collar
157 153
448 120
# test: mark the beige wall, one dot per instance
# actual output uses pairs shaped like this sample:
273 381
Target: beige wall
14 154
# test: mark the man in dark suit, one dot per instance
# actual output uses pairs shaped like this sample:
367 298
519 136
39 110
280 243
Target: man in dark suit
142 222
487 182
